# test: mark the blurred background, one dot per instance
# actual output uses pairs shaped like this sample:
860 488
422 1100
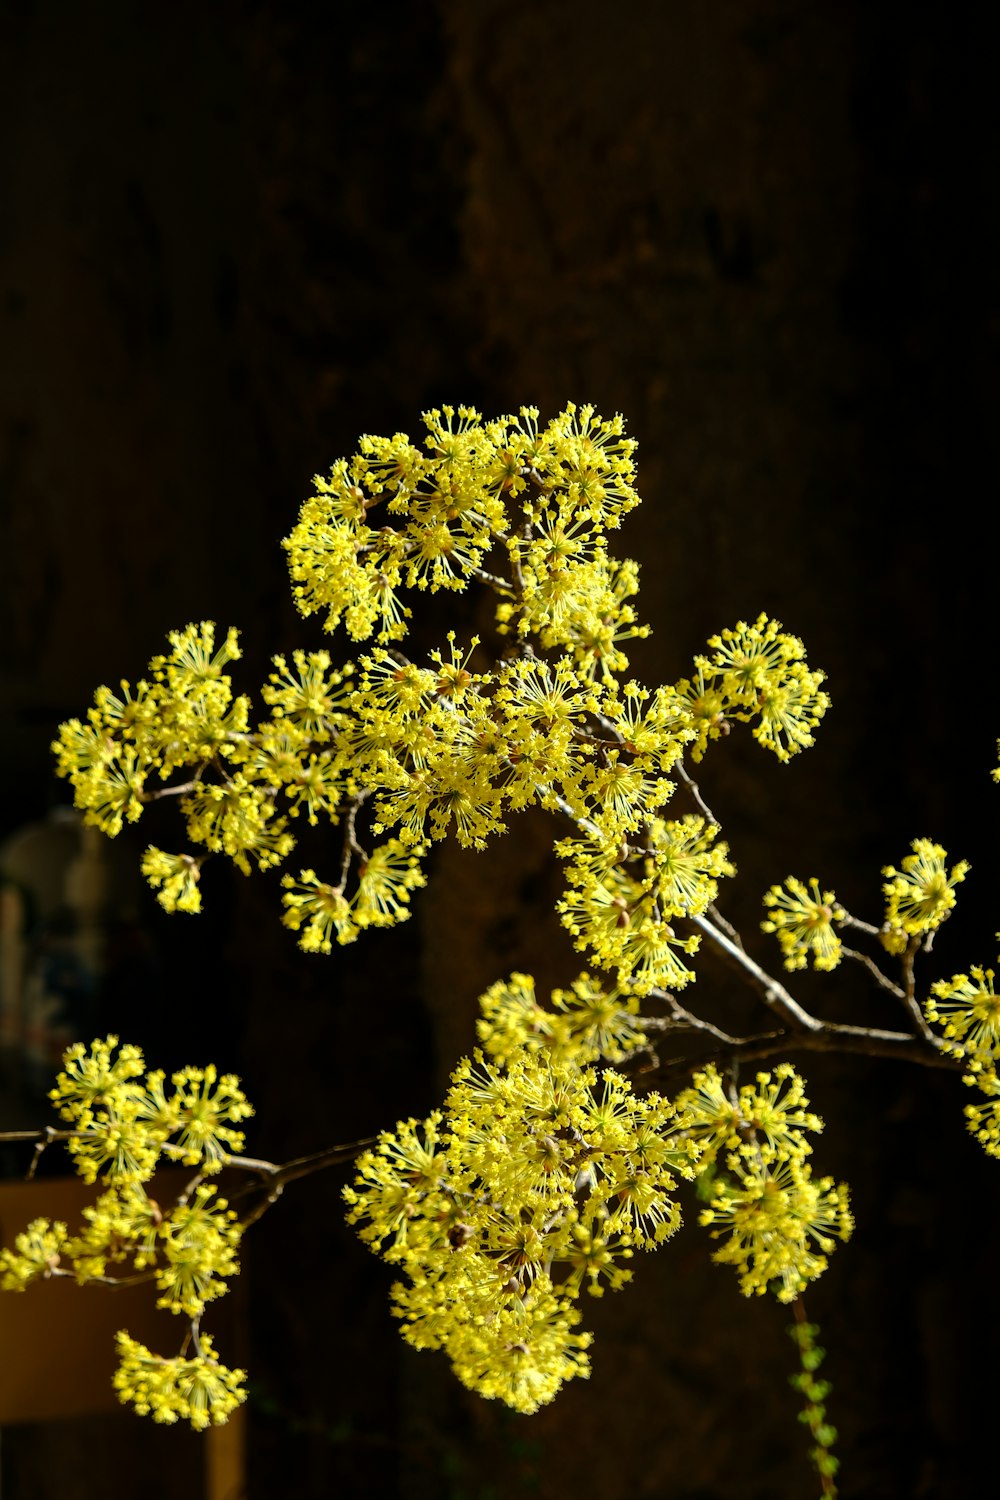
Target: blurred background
234 237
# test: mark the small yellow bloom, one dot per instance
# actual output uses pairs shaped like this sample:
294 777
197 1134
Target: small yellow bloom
802 921
920 895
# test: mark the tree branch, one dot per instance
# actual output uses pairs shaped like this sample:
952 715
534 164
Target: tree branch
775 996
864 1041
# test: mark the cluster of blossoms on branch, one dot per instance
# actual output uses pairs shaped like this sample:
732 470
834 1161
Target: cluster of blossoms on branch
919 895
546 1168
437 748
542 1176
121 1125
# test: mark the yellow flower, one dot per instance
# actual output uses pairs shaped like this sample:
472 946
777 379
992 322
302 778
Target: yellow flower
802 921
200 1390
36 1254
206 1107
177 875
920 895
687 863
780 1224
92 1077
199 1240
969 1010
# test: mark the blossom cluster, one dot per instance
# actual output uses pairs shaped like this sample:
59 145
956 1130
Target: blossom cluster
537 1181
122 1122
542 1174
756 672
455 745
919 895
802 919
967 1008
200 1390
777 1222
584 1024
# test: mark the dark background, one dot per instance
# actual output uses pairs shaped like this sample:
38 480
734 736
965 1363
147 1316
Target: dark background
232 238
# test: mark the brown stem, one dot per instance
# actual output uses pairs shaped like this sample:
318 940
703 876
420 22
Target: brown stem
275 1177
875 971
775 996
694 792
864 1041
351 845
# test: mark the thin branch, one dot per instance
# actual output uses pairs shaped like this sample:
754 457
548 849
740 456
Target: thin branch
171 791
694 792
140 1278
846 920
333 1156
351 845
500 584
253 1164
909 999
858 1041
275 1177
875 971
776 997
45 1138
726 926
48 1133
681 1017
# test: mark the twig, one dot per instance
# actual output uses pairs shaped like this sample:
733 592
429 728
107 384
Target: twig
500 584
694 792
275 1176
171 791
351 845
138 1279
863 1041
908 998
46 1137
776 997
846 920
681 1017
875 971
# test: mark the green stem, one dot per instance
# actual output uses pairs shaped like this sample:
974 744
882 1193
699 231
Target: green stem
803 1335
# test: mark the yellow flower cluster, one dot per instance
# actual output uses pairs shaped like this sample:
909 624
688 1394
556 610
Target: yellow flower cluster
967 1008
622 903
120 1126
758 672
441 749
779 1224
449 499
37 1253
122 1123
570 480
534 1183
586 1023
200 1390
802 920
186 716
920 894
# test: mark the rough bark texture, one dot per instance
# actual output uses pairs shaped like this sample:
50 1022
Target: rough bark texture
236 236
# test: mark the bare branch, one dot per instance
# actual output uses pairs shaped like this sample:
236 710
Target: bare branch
695 792
171 791
776 997
351 845
275 1177
909 999
114 1281
875 971
863 1041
